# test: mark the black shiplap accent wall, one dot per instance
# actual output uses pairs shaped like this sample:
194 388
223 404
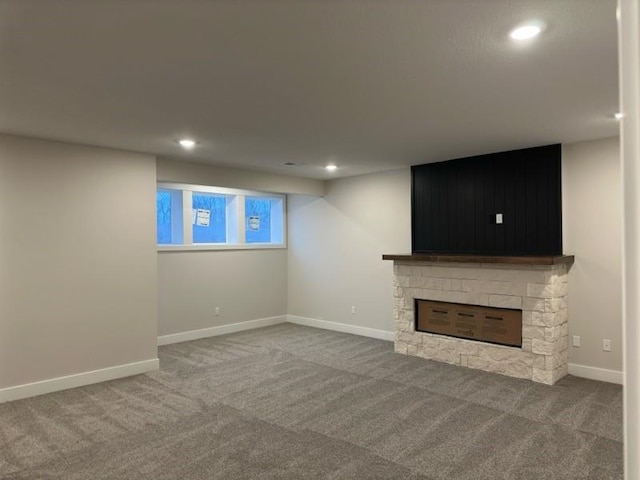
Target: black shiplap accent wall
454 204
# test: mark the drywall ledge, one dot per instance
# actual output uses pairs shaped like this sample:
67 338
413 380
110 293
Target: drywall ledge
77 380
179 171
497 259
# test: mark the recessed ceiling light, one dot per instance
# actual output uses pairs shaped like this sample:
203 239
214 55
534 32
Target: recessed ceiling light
187 143
527 31
331 168
618 115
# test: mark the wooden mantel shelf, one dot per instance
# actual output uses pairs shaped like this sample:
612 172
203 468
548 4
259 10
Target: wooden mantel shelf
509 260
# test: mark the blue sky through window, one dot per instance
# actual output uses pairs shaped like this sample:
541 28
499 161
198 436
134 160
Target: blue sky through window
163 217
209 222
257 212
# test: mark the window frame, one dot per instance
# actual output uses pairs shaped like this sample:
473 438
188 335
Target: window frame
235 218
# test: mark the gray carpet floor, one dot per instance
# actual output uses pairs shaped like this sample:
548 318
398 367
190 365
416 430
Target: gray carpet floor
291 402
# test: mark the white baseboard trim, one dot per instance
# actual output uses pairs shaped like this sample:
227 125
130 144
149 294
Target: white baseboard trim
595 373
220 330
77 380
341 327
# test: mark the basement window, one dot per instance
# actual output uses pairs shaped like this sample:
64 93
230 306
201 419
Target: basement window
195 217
263 219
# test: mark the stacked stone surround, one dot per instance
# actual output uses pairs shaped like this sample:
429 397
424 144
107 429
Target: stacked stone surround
539 290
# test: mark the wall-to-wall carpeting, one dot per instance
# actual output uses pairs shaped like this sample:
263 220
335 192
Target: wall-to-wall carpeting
292 402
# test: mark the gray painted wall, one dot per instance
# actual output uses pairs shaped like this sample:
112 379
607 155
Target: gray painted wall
336 245
77 259
244 284
592 231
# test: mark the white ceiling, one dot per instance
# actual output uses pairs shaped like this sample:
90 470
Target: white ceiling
369 84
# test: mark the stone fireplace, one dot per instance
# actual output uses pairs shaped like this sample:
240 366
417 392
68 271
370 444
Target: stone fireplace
536 286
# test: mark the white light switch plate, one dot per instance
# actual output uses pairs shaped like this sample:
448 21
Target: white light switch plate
498 218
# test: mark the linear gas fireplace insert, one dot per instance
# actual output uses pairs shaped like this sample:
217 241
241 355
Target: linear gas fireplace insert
475 322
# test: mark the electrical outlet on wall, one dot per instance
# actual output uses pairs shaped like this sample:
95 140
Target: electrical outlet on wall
353 309
576 341
217 311
606 344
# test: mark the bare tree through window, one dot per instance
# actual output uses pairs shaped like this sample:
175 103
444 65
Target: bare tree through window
257 213
216 231
163 217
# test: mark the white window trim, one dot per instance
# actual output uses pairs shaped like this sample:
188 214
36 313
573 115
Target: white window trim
220 246
235 214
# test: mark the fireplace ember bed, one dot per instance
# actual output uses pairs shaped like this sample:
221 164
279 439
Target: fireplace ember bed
502 326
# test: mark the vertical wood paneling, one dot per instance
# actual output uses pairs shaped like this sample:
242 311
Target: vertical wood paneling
531 198
500 180
466 227
454 204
